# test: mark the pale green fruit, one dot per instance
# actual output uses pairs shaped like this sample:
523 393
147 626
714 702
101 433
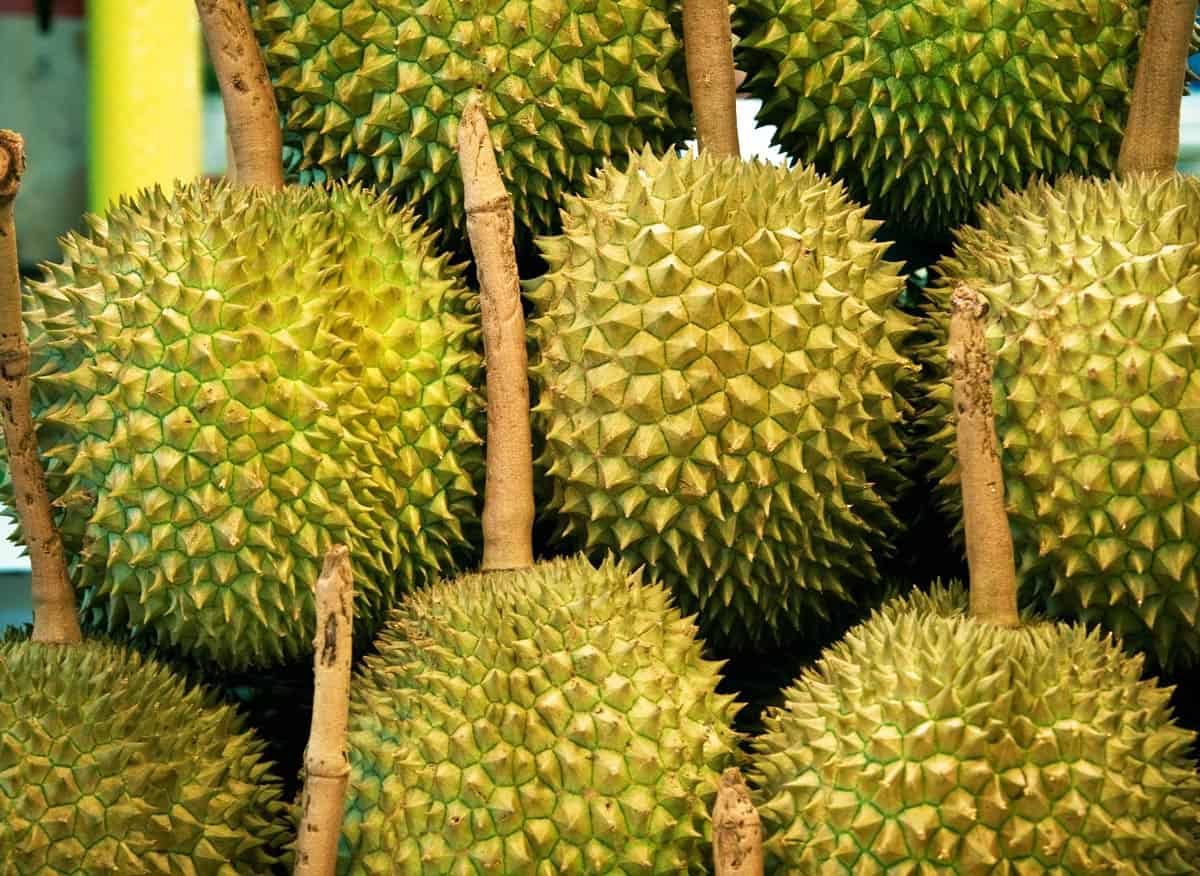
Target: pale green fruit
553 720
720 374
373 90
110 764
930 742
928 108
229 381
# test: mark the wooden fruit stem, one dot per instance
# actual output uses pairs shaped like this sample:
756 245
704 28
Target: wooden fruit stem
737 830
251 115
55 618
326 768
989 541
508 489
708 49
1151 141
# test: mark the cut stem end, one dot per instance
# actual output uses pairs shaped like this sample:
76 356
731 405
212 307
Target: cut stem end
989 540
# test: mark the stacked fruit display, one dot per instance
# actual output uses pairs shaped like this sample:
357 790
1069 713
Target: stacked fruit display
722 402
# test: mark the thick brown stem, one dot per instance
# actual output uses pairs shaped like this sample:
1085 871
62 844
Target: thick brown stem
55 618
708 48
1151 141
251 115
508 490
989 541
327 771
737 831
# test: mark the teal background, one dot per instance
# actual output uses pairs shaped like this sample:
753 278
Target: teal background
14 599
1189 134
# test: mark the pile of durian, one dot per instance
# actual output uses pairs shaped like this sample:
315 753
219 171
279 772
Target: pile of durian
730 402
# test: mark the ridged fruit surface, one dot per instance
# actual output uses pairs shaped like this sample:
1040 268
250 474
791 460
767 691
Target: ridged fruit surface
373 90
227 382
553 720
719 375
930 742
1094 296
927 108
110 764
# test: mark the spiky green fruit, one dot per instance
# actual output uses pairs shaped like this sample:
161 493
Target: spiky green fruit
719 381
229 381
1094 319
373 90
928 741
109 763
553 720
927 108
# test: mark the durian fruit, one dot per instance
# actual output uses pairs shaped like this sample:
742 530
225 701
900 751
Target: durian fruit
110 764
720 374
1094 296
553 720
229 380
930 741
927 108
373 90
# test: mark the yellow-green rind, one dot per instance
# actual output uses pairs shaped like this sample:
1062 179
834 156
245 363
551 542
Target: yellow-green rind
928 741
928 108
1093 290
721 371
110 764
372 90
227 382
552 720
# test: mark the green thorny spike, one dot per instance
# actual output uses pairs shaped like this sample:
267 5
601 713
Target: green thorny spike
1094 289
559 719
373 91
721 400
928 741
110 764
227 383
928 108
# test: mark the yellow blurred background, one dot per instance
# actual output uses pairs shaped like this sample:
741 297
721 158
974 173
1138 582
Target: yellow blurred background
111 96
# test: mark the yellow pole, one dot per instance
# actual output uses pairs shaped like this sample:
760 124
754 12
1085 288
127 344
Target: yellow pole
145 96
